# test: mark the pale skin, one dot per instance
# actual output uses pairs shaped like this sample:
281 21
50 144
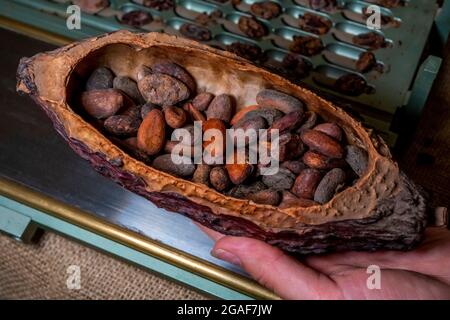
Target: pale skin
423 273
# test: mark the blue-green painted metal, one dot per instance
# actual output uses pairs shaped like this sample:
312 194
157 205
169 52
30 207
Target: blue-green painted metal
443 22
11 208
17 225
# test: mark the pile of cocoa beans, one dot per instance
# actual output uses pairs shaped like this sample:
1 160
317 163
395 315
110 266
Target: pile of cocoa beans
140 114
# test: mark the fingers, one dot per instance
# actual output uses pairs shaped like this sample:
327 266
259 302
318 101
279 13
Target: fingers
210 232
273 269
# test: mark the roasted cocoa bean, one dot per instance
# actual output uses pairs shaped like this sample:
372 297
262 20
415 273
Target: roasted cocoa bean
295 166
245 50
221 108
206 19
390 3
267 197
129 87
294 148
164 163
100 78
162 89
295 67
351 84
175 117
255 123
357 158
159 5
122 126
306 45
217 148
176 71
366 62
282 180
322 143
242 191
202 101
241 113
309 121
194 114
279 100
318 161
252 27
91 6
268 113
315 23
102 104
136 18
195 32
130 145
329 185
266 10
323 5
288 122
219 178
133 112
330 129
239 172
151 133
289 200
201 174
373 40
306 183
146 108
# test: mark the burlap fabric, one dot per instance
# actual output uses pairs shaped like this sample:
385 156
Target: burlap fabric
39 271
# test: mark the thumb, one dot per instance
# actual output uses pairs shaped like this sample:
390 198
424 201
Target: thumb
275 270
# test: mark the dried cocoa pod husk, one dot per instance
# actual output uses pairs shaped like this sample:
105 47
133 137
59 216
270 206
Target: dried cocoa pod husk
382 210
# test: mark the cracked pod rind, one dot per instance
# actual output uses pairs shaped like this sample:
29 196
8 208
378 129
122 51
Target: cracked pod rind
383 210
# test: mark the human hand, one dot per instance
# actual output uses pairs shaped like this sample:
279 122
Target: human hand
420 274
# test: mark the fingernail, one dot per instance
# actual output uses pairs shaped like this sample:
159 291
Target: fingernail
226 256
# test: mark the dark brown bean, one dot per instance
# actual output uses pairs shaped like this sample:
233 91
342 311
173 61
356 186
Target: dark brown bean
279 100
282 180
194 114
136 18
146 108
100 78
289 201
315 23
221 108
267 113
245 50
174 70
91 6
309 121
195 32
330 129
162 89
201 174
306 183
266 10
267 197
164 163
102 104
202 101
322 143
122 126
289 122
357 158
372 40
351 84
252 27
306 45
160 5
319 161
242 191
329 185
175 117
219 178
133 112
129 87
295 166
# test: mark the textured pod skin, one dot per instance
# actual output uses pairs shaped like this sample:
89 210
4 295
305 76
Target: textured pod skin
384 209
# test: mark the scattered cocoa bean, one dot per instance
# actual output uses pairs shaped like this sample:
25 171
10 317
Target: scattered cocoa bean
202 101
195 32
201 174
102 104
289 200
91 6
295 67
194 114
266 10
164 163
315 23
288 122
136 18
390 3
151 133
306 183
322 143
329 184
357 158
239 172
162 89
175 117
252 27
295 166
306 45
221 108
243 191
100 78
129 87
146 108
267 197
351 84
219 178
282 180
372 40
279 100
330 129
174 70
122 126
367 62
318 161
245 50
294 148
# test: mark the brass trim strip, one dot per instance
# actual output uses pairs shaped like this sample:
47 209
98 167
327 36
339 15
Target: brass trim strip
138 242
33 32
